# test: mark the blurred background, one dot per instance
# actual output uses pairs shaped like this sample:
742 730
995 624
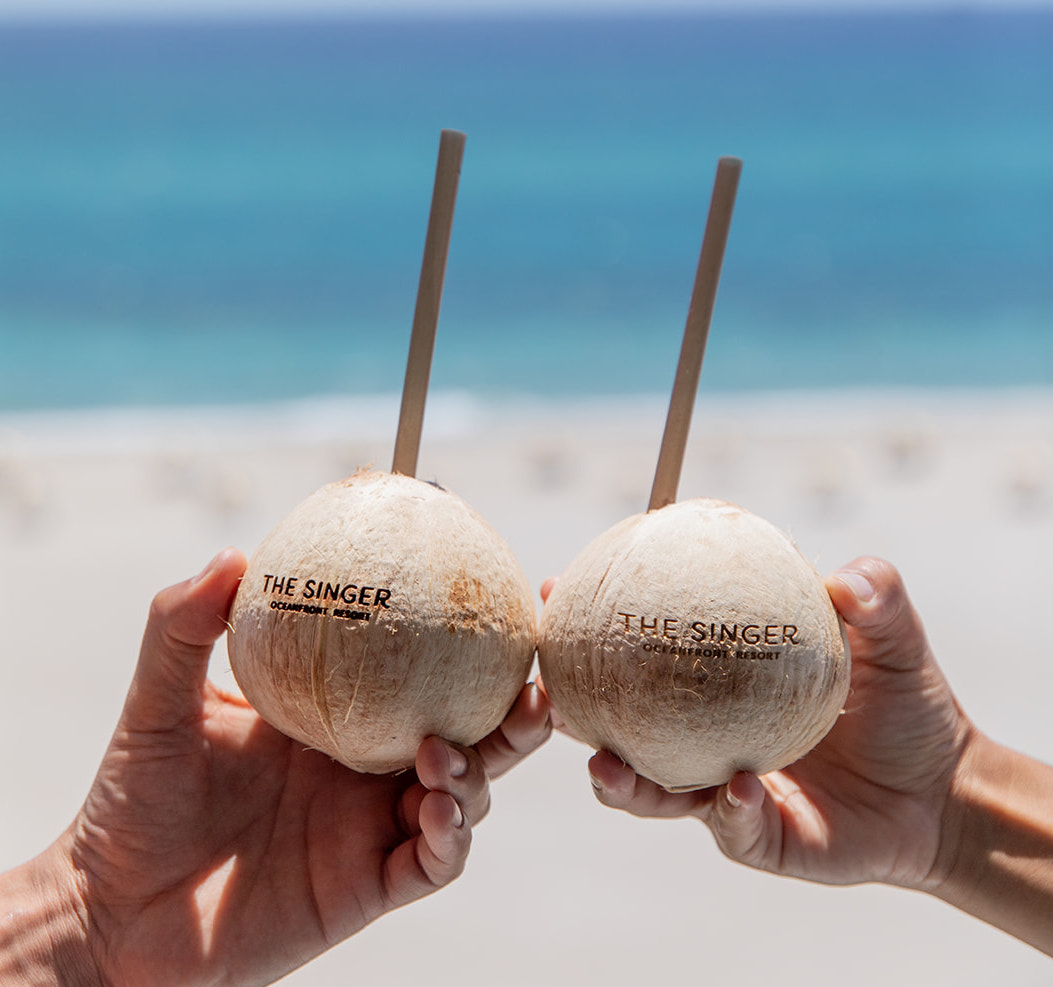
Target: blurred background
227 203
212 216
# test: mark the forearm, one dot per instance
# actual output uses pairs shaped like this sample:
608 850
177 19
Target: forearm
42 935
997 856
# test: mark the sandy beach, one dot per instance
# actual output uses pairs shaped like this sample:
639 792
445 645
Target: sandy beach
100 510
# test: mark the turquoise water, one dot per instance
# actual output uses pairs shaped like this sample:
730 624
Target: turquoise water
195 213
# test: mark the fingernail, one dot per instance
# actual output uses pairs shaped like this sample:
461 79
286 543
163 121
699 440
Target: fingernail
458 816
208 568
862 587
458 763
732 800
596 783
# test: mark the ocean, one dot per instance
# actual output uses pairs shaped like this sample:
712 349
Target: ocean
194 213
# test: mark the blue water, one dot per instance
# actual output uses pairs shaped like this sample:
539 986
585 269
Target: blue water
236 212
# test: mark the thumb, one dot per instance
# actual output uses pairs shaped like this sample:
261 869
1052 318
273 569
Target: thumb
185 621
744 822
883 627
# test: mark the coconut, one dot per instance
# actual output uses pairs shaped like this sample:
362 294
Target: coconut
694 641
382 610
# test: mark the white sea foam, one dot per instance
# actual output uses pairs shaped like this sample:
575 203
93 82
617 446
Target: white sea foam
459 414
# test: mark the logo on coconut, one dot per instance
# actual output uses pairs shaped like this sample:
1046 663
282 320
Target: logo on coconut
708 638
323 598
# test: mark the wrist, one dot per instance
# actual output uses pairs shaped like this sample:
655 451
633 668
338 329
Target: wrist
43 926
996 850
958 847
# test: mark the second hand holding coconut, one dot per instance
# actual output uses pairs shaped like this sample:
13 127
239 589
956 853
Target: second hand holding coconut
865 803
904 790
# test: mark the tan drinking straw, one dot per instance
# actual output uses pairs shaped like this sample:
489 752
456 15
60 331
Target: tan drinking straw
429 299
696 332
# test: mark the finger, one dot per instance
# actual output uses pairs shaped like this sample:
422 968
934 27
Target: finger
185 621
457 771
883 627
618 786
409 809
433 858
558 723
745 824
526 727
546 588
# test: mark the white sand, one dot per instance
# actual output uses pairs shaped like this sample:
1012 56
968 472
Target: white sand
97 512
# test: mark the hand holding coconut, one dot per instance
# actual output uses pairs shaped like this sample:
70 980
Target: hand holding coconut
381 615
212 848
657 646
895 751
904 790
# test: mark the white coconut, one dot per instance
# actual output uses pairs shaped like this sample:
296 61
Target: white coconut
382 610
694 641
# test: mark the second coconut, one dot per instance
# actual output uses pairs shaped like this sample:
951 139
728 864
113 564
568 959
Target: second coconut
695 640
692 642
